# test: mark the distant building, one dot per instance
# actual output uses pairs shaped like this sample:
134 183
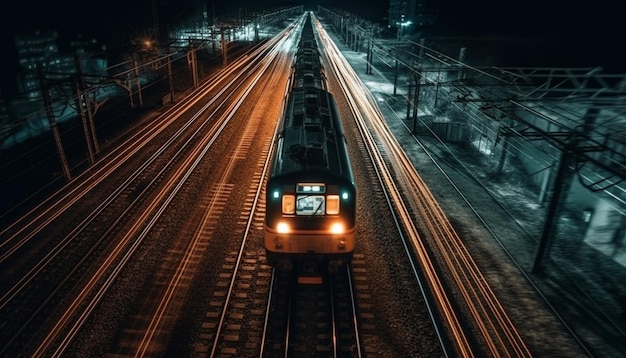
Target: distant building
35 49
411 16
22 111
42 49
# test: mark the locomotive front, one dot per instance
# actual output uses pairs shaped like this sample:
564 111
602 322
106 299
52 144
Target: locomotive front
310 220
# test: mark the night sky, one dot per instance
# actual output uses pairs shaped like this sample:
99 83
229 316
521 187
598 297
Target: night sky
571 33
595 27
97 17
111 20
598 19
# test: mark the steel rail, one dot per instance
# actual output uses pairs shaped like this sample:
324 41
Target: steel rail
118 258
176 183
274 54
32 222
499 333
400 212
40 266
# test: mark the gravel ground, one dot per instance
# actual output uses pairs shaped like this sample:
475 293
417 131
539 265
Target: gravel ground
571 280
507 260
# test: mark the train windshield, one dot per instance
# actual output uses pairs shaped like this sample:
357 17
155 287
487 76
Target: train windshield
311 205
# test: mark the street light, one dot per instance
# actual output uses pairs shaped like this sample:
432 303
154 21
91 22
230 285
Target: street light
401 25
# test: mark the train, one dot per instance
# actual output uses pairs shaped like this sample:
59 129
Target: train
310 215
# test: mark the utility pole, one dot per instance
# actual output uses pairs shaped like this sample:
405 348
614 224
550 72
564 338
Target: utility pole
84 110
169 74
192 61
395 74
224 48
137 79
370 52
53 124
86 130
564 176
416 96
561 187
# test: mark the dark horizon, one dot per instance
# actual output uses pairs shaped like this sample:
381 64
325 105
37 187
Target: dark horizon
593 30
531 17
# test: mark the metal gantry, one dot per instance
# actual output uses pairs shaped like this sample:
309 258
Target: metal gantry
578 114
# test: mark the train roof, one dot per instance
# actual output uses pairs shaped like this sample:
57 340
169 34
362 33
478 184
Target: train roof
312 135
308 69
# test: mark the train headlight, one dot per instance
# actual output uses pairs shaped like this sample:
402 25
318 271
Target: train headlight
282 228
337 229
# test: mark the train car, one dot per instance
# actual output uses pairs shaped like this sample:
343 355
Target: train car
310 192
308 70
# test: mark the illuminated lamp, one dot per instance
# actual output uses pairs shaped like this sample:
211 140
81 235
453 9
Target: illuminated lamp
337 229
282 228
289 204
332 204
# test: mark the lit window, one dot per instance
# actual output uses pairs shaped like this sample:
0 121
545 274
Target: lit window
332 204
289 206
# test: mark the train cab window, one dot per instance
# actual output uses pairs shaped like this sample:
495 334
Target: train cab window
289 206
311 205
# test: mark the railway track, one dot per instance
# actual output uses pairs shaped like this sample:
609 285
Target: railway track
467 315
315 319
250 309
150 329
145 195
